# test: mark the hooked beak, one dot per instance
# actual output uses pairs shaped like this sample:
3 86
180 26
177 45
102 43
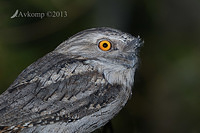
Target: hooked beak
133 45
131 51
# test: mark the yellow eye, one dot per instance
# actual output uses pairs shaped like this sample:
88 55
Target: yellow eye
105 45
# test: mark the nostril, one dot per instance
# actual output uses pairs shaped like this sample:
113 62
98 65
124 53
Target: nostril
133 45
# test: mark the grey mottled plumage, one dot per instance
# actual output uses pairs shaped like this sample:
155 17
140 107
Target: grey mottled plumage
76 88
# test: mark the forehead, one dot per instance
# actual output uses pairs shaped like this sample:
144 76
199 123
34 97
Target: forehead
98 33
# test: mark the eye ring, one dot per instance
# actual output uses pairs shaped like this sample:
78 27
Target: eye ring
104 45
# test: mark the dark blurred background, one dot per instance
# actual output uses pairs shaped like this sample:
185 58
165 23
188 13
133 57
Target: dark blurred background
166 94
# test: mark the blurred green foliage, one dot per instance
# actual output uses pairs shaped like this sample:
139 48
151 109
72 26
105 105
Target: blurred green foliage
166 94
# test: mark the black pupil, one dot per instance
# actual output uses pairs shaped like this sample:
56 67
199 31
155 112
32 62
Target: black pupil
105 45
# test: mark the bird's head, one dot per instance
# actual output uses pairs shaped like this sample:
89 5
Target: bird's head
105 48
103 44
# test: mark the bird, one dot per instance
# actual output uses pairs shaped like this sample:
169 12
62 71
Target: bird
76 88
